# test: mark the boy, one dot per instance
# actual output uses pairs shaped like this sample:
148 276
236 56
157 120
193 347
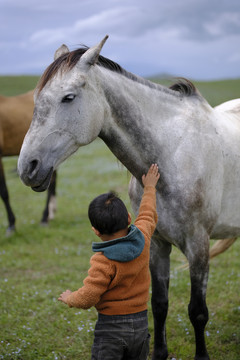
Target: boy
118 280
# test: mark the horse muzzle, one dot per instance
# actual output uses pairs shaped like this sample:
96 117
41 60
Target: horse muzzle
33 174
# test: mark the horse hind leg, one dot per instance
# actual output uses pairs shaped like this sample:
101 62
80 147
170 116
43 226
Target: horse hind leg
5 197
50 208
160 267
218 248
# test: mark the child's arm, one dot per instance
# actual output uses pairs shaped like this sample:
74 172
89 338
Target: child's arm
147 216
100 274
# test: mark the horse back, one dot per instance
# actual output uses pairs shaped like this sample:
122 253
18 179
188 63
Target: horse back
230 109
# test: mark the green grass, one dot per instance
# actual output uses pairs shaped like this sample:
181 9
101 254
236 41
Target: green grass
15 85
38 263
217 92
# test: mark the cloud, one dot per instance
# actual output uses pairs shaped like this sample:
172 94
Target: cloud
175 36
131 21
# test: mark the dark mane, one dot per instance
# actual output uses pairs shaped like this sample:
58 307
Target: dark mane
184 87
67 61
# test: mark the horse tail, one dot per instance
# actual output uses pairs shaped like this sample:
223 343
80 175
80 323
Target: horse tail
218 248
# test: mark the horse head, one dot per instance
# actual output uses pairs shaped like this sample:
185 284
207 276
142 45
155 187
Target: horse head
67 114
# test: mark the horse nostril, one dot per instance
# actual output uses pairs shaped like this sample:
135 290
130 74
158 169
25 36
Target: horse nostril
33 165
33 168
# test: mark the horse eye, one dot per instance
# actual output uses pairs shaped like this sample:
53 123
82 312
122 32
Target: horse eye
68 98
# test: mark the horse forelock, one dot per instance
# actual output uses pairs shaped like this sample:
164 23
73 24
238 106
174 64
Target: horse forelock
67 61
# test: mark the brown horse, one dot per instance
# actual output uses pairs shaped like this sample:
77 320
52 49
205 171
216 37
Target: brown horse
15 117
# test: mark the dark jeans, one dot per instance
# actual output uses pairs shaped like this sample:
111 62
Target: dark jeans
121 337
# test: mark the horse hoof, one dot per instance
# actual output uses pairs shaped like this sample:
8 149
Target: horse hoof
44 223
162 355
202 357
10 230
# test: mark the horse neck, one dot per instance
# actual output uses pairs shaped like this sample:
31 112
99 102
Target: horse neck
138 112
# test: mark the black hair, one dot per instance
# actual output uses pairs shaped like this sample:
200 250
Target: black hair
108 214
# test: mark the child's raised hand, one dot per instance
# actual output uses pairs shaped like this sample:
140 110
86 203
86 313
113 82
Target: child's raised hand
152 176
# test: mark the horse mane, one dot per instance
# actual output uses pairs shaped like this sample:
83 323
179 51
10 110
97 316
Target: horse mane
67 61
184 87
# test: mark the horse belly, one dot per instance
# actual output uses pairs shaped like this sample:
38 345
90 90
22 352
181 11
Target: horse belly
228 222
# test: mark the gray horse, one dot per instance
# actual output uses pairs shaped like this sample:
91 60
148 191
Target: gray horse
82 96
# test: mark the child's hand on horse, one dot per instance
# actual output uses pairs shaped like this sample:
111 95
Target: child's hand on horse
152 176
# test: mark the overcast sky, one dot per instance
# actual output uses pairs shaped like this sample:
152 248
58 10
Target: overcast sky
197 39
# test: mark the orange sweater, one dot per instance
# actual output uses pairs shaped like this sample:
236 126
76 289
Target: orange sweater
121 287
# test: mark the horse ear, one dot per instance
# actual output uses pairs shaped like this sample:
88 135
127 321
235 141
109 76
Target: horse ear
90 57
61 51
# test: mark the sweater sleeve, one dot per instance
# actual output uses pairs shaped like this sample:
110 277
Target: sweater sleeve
96 283
147 217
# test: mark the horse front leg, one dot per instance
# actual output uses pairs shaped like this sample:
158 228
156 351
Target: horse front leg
5 198
50 208
197 308
160 266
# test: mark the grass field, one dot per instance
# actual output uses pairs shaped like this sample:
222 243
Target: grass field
38 263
